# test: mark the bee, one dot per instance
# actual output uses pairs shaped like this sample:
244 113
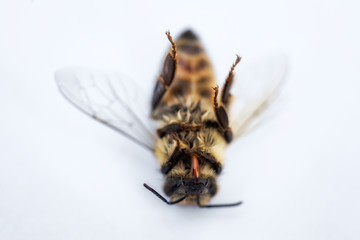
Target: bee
192 112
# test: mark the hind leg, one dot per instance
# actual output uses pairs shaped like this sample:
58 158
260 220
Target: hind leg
167 75
225 92
222 117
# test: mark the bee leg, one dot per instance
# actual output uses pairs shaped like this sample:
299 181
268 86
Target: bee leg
225 91
167 74
177 128
222 117
174 158
215 165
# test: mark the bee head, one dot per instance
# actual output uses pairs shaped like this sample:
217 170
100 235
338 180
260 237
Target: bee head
191 187
178 186
192 191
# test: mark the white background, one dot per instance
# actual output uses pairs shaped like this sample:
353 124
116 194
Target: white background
65 176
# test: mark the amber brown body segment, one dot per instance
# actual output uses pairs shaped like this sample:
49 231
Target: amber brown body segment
195 169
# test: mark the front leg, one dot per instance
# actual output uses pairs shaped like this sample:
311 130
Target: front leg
176 155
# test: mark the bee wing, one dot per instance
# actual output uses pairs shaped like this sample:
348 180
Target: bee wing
109 98
255 89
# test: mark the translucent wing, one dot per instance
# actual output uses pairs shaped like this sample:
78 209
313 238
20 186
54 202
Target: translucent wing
256 86
110 99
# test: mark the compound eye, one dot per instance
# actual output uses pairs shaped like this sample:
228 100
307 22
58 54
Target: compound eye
212 187
179 183
171 185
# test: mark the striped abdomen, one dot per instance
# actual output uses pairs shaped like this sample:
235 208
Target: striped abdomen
193 77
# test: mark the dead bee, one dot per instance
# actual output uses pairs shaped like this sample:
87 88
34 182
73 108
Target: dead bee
193 113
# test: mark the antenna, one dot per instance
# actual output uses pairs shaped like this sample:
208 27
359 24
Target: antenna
217 205
161 197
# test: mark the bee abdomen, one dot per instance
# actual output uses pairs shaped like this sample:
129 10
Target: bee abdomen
189 35
188 43
190 48
193 77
